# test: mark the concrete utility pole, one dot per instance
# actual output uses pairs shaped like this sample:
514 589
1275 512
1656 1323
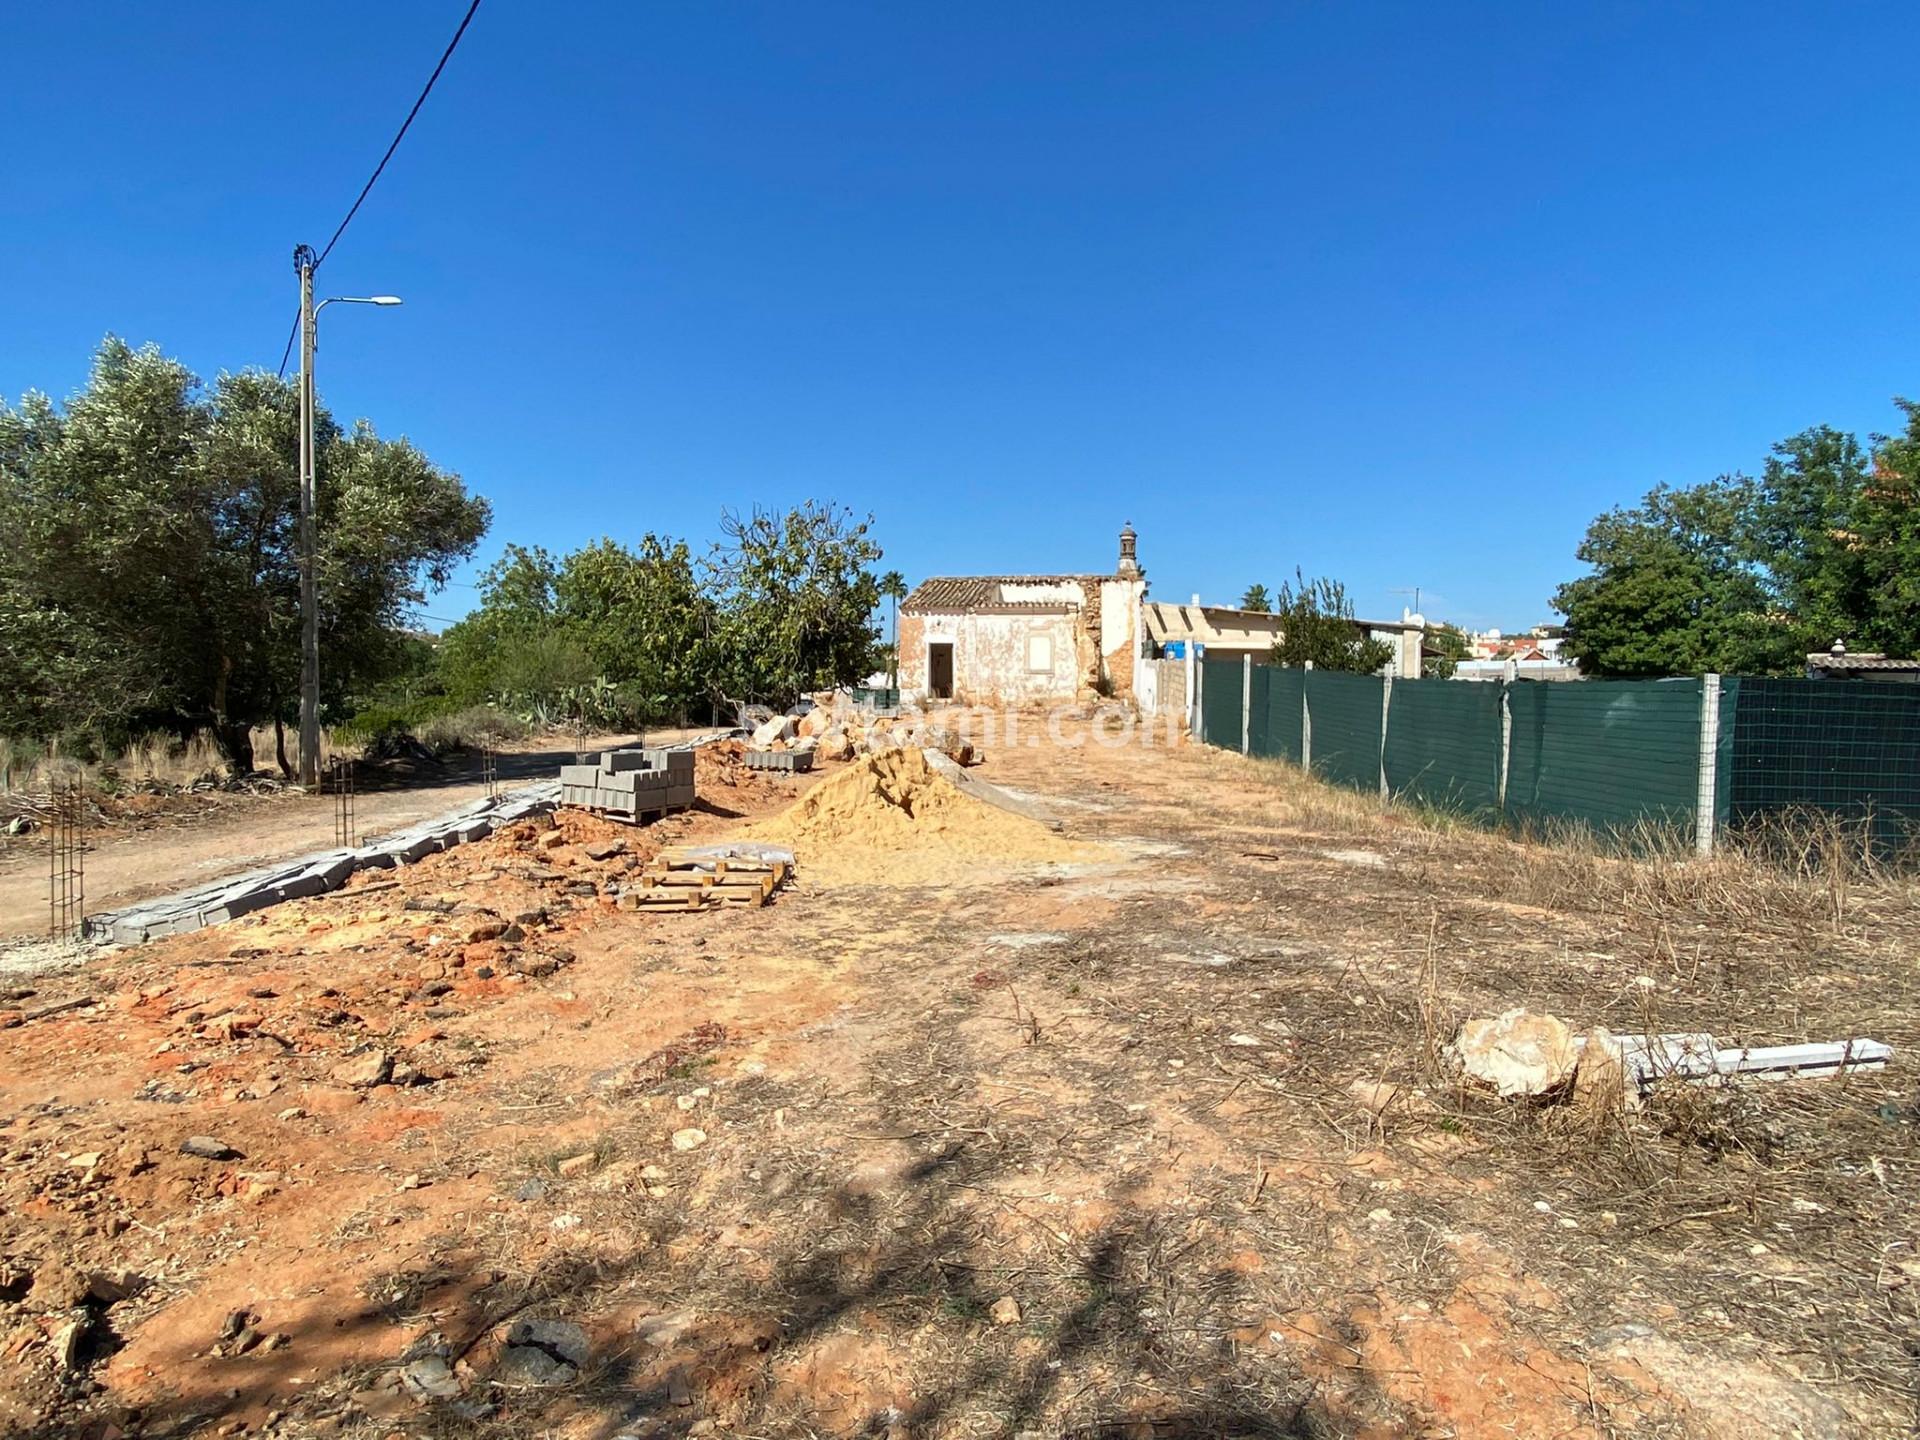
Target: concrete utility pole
304 262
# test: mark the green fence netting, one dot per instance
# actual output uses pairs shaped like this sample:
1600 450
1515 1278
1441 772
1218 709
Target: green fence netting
1345 711
1443 745
1613 755
1848 746
1276 722
1610 754
1258 698
1220 702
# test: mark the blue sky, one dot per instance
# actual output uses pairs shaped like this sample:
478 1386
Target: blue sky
1404 294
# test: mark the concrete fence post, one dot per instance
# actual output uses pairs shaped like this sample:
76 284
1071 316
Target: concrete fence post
1506 740
1306 720
1246 704
1386 703
1705 805
1193 696
1200 700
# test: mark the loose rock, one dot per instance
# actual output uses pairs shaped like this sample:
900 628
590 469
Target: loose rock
1517 1053
542 1352
431 1378
365 1070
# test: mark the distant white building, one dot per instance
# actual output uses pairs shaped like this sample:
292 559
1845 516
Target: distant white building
1224 632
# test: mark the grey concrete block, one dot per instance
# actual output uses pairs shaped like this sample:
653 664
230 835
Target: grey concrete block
252 900
300 887
579 774
333 873
616 762
676 763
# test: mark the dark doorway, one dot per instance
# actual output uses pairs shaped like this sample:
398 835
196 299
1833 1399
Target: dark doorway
940 669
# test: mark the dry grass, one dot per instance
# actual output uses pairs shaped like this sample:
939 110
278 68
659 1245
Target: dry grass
474 726
158 758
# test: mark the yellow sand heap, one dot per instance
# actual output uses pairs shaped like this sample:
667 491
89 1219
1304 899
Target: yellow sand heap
892 819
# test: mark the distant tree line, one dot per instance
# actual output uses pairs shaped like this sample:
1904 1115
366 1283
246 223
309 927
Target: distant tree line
1749 574
616 634
149 580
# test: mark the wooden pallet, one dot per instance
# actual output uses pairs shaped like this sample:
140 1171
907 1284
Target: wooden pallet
676 881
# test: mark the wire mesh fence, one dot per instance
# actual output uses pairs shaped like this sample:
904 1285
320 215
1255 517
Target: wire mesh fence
1689 756
1847 747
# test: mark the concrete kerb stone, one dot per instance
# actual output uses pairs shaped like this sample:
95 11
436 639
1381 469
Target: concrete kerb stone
314 874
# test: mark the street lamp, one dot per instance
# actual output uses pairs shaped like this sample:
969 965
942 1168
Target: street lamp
304 262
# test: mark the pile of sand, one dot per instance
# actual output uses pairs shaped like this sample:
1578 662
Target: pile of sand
891 819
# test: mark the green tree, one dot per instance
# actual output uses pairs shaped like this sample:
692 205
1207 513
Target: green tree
893 585
1887 538
1672 592
794 597
1836 530
517 605
643 618
152 525
1317 624
1257 599
1747 575
1442 649
644 633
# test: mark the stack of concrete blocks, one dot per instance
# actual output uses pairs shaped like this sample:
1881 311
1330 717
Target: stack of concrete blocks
631 784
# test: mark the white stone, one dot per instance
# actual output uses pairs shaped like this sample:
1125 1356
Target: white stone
1517 1053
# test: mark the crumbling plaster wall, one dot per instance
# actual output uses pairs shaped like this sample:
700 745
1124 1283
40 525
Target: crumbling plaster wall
997 658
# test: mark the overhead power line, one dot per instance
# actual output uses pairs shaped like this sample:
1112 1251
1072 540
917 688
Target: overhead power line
372 179
287 353
401 135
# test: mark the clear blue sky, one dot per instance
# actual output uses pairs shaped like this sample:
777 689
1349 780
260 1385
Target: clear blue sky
1403 294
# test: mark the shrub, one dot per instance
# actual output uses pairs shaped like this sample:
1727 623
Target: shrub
390 717
474 725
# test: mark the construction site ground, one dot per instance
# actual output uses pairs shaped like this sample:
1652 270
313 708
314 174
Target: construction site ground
1140 1130
147 844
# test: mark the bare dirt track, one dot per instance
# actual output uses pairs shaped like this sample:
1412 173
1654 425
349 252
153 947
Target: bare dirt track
1149 1143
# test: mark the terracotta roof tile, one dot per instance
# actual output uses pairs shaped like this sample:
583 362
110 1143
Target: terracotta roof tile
982 593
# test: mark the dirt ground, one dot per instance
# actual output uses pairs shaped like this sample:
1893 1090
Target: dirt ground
1154 1141
151 844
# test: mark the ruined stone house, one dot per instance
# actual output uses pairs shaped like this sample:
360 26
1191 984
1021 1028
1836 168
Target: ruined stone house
1007 639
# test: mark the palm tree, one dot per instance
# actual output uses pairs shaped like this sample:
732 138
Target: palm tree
894 585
